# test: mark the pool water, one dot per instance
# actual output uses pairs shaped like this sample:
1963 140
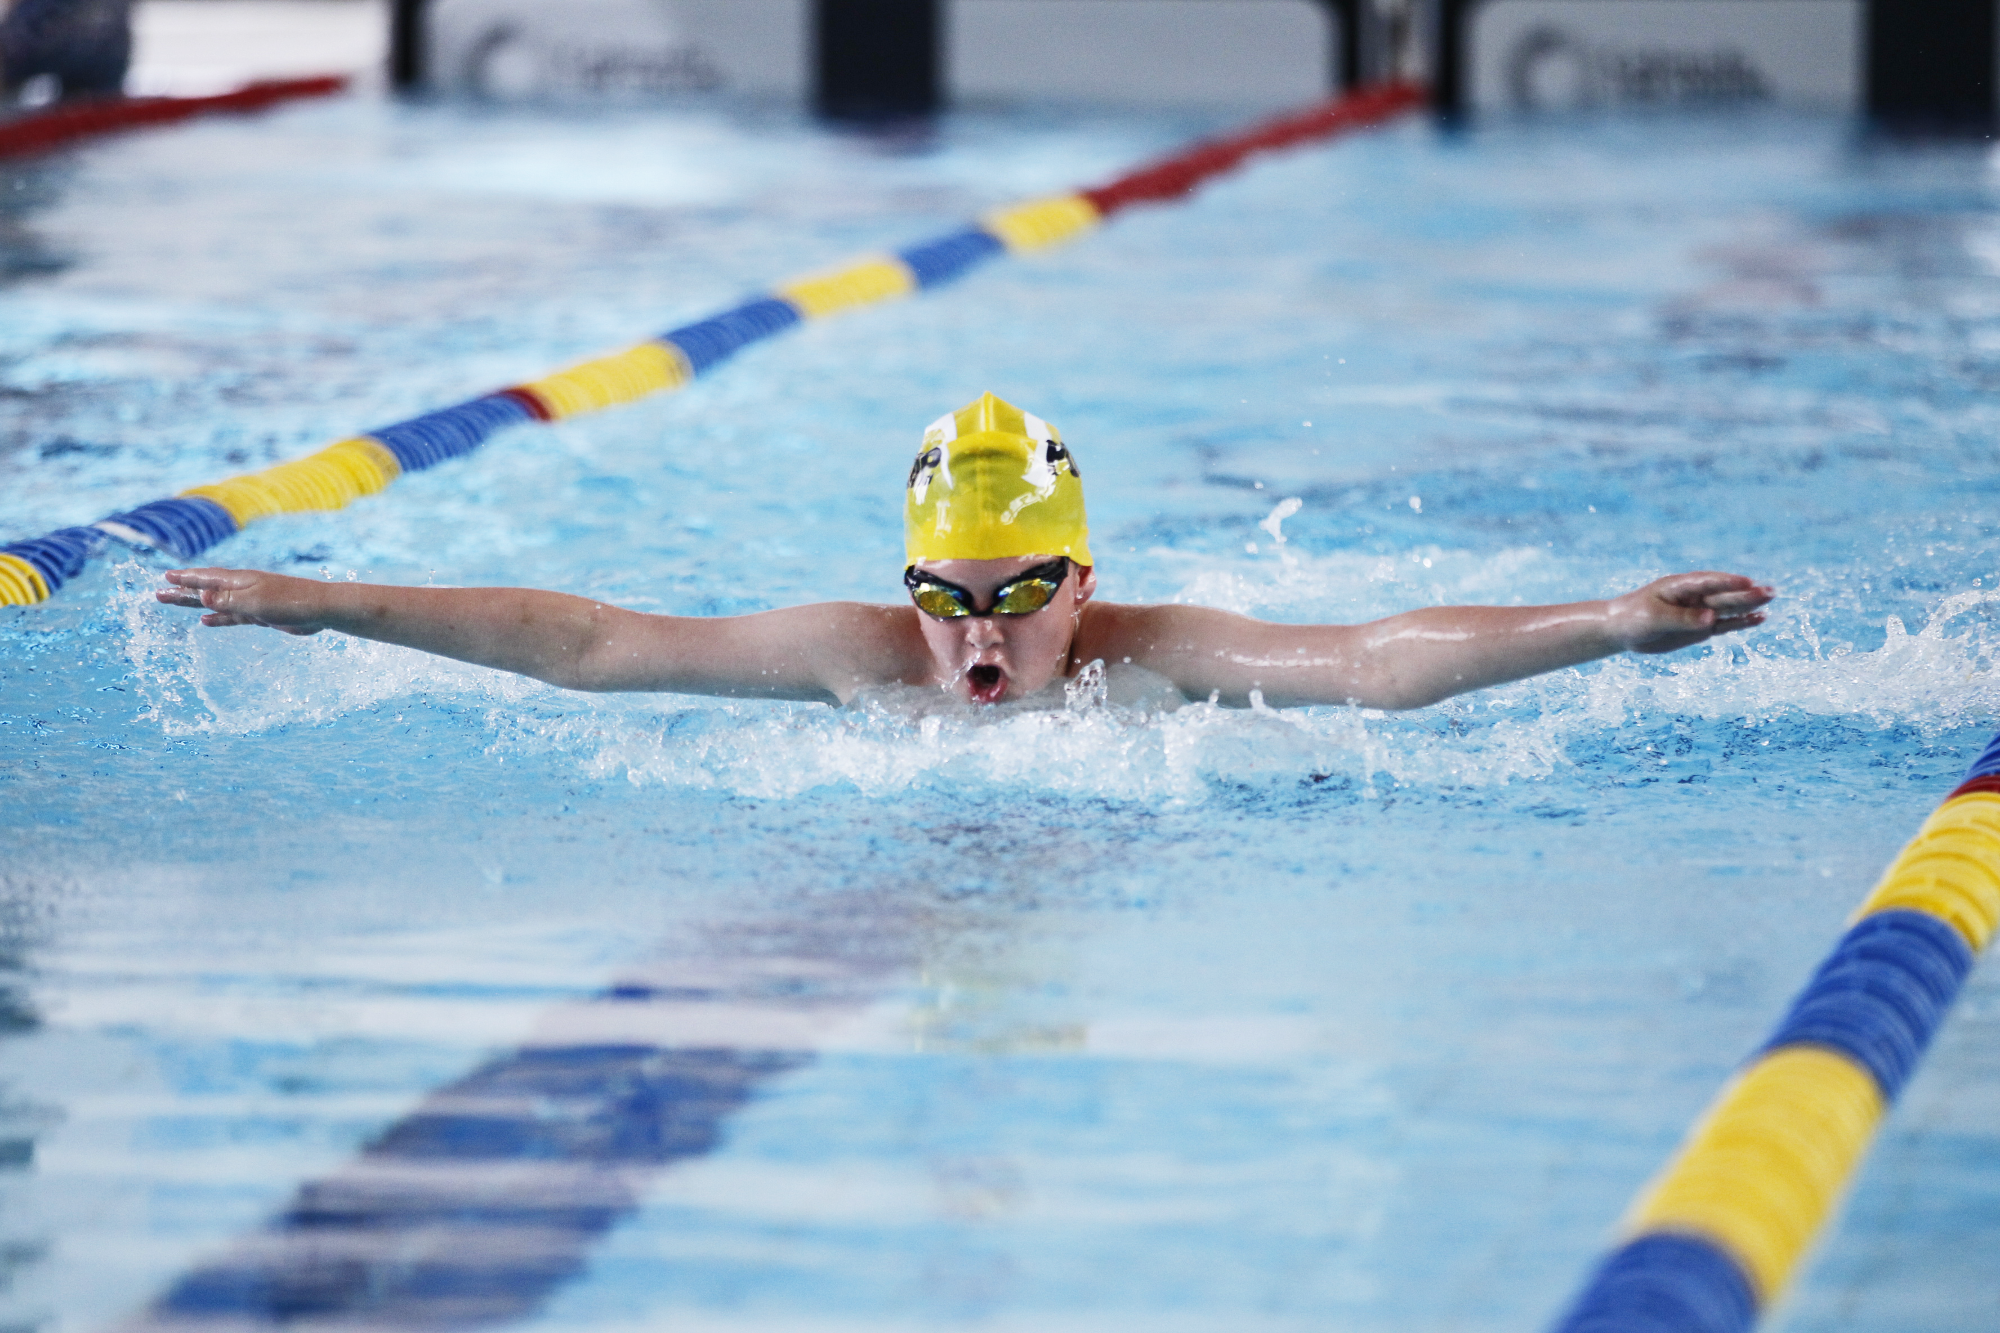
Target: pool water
346 984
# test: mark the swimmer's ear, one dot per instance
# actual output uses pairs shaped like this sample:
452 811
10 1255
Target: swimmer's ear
1086 583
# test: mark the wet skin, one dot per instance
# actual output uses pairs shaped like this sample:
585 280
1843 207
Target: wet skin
831 651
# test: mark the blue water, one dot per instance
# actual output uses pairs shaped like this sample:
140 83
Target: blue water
664 1012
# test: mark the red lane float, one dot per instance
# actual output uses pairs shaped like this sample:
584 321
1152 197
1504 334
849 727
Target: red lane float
1172 177
43 130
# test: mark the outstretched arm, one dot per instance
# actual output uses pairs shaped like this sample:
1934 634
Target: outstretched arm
822 652
1419 657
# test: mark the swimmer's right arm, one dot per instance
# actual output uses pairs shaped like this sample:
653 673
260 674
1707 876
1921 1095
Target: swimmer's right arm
823 652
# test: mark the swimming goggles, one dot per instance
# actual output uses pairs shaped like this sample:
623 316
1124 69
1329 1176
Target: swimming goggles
1023 595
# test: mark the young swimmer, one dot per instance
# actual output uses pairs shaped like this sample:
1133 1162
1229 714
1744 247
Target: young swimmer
1001 581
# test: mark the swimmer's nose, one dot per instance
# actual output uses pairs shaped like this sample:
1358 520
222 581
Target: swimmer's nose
981 632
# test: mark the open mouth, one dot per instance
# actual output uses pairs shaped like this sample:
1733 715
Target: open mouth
988 683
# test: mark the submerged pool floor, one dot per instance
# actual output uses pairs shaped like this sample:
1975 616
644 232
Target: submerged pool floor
348 985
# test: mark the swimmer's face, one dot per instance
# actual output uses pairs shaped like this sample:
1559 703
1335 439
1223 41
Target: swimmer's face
986 659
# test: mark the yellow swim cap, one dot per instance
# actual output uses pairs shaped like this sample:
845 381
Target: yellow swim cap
991 482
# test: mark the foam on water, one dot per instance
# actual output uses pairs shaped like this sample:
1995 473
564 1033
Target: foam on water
1134 742
247 681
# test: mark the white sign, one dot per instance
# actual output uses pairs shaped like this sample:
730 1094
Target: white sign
1119 52
1567 53
513 49
1140 52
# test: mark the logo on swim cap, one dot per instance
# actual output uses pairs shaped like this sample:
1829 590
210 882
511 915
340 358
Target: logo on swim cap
991 482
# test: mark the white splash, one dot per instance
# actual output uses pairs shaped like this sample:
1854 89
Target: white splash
1105 737
247 681
1274 522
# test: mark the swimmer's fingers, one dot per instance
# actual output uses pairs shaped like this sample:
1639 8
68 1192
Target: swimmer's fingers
205 587
183 587
1730 624
1725 594
1685 609
1668 642
1738 602
238 597
213 576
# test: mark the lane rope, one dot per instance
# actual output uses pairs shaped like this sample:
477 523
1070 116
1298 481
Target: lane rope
1713 1241
187 524
59 125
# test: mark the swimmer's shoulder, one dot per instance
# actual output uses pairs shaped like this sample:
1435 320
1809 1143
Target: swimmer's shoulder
1140 631
870 626
868 644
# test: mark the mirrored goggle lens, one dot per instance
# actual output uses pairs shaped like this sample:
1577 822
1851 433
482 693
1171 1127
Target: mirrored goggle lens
1026 597
935 601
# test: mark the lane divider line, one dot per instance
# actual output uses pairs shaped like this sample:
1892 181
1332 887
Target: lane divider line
187 524
473 1208
1712 1243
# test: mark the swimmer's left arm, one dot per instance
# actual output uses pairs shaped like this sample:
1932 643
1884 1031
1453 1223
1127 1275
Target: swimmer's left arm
1420 657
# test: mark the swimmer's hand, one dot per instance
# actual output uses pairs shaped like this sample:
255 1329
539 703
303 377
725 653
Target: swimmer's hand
1684 609
247 597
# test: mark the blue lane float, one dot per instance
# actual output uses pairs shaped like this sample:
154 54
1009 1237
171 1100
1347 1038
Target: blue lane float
1715 1239
438 437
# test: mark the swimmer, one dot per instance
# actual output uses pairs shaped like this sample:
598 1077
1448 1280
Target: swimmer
1002 606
